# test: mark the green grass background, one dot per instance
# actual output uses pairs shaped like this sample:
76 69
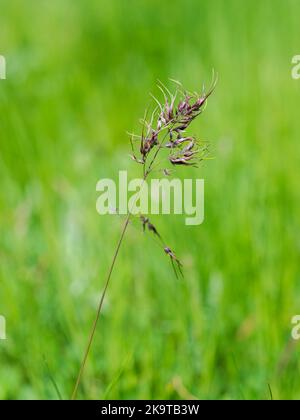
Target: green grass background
78 77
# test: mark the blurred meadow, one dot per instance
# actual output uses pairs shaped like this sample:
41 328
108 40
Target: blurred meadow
78 77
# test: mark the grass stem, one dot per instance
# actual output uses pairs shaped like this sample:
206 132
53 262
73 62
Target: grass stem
93 330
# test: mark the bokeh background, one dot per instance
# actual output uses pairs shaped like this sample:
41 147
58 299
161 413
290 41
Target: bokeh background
78 77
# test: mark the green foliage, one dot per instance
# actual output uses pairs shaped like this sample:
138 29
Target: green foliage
78 77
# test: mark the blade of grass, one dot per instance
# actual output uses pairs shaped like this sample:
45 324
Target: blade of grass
52 380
